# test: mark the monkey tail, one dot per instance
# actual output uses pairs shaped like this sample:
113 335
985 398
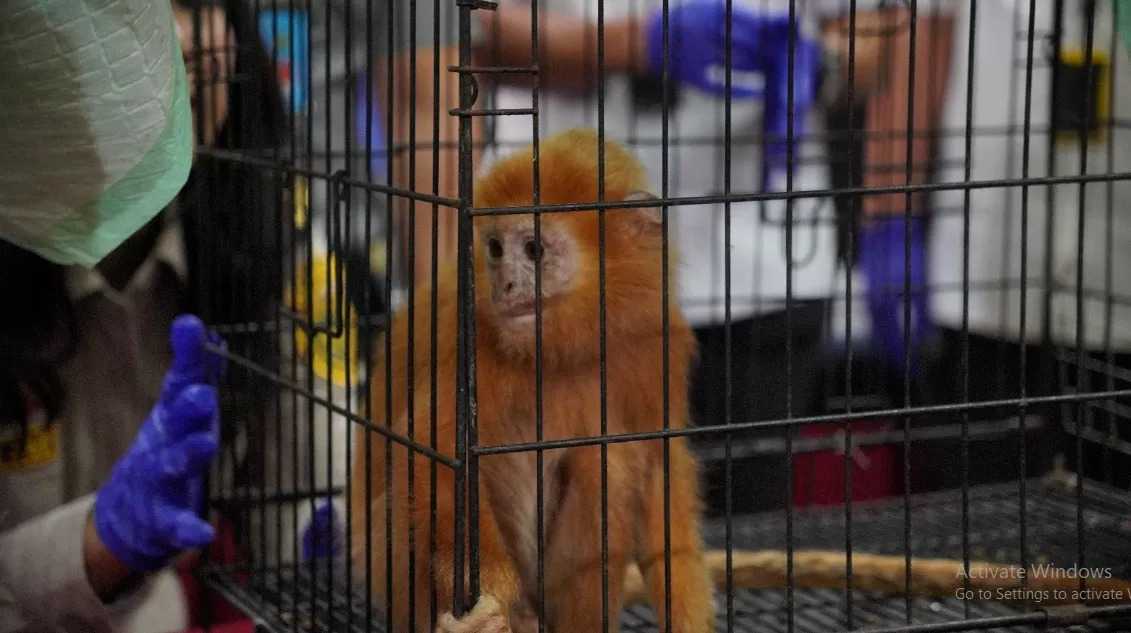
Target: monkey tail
877 573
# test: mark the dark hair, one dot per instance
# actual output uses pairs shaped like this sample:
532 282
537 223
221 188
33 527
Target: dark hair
222 200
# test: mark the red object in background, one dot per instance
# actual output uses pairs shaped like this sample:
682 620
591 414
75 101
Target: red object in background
222 616
818 477
244 626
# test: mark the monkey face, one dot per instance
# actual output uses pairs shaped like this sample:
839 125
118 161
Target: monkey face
511 254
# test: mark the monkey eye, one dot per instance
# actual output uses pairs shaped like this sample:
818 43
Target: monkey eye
495 248
533 250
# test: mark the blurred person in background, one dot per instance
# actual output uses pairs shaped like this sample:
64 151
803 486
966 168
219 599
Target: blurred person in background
1029 238
105 429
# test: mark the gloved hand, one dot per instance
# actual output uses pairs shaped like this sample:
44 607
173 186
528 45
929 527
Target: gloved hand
323 535
881 260
760 44
147 511
775 117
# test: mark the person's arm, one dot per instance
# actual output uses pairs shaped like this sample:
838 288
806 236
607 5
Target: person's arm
415 137
889 261
866 38
567 45
505 40
57 571
886 143
55 574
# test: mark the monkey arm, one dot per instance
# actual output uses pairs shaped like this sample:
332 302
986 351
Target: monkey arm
498 574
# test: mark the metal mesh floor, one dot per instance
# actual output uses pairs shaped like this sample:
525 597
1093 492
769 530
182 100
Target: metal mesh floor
283 600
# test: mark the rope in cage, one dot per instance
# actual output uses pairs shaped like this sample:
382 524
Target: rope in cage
878 573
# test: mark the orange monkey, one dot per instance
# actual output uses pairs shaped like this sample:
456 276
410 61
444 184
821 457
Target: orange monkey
506 254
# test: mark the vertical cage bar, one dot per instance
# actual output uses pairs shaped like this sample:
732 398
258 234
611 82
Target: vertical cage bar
1056 37
908 177
264 343
539 423
333 191
410 352
539 414
309 327
728 385
665 361
1082 372
390 132
846 427
791 69
348 118
466 500
293 256
1109 245
968 144
433 326
367 396
1023 383
602 313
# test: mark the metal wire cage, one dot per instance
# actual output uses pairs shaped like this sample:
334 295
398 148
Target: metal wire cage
355 129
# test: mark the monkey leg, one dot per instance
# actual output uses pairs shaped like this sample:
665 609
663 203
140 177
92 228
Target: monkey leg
486 617
403 579
691 600
574 569
499 582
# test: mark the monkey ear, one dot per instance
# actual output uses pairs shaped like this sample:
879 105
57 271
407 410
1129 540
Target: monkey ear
644 220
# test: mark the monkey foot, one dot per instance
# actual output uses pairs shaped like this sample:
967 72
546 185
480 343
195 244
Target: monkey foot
486 617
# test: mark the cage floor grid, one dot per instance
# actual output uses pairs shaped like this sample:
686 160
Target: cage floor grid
285 599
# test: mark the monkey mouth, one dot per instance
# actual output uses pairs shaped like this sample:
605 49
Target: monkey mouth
522 312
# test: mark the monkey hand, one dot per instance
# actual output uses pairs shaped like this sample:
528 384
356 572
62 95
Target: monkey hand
882 249
486 617
147 511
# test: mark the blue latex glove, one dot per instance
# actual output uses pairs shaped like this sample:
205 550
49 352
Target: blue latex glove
881 260
147 511
775 117
760 44
323 535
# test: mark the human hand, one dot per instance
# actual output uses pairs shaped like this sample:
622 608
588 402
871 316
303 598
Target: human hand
697 45
323 535
147 511
881 248
805 74
761 44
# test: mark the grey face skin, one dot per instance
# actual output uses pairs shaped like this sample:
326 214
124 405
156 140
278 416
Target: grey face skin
511 253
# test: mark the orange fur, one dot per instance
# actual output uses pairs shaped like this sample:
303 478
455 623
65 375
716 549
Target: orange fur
571 407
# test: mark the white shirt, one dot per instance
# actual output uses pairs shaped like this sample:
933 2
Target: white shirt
996 213
696 130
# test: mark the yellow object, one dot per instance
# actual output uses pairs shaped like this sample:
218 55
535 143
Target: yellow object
1100 101
324 305
41 449
377 258
302 202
